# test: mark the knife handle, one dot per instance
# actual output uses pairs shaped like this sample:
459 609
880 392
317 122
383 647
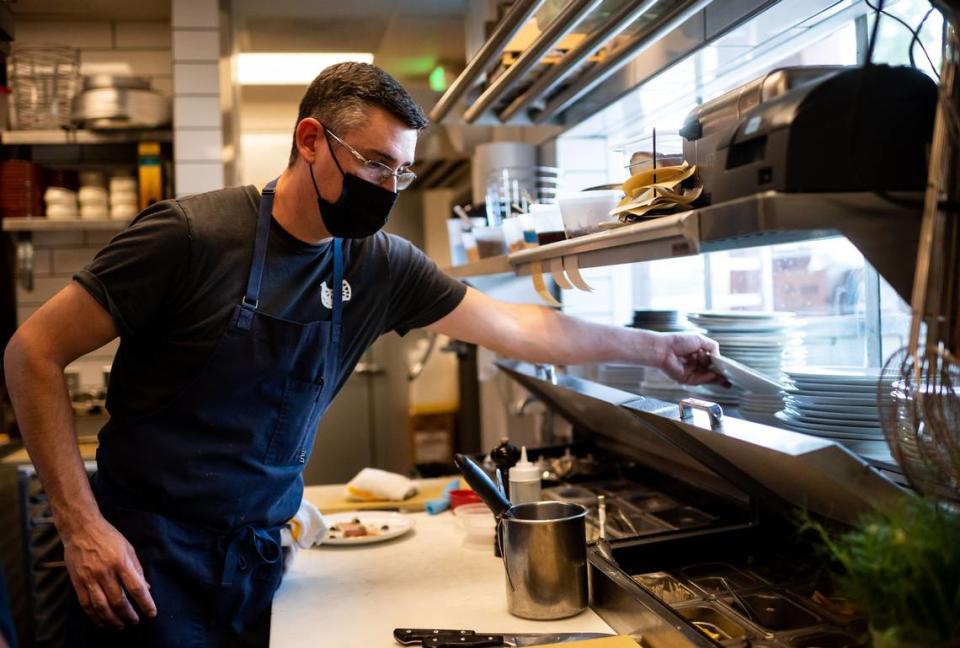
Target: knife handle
473 640
413 636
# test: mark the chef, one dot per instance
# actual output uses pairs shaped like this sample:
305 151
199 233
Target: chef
240 315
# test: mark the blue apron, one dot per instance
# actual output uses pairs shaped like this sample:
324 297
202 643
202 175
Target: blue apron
202 486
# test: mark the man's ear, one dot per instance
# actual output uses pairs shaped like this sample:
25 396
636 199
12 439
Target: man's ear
309 135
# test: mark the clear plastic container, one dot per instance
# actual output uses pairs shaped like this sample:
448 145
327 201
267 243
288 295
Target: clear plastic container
528 229
513 234
478 524
548 223
490 241
583 213
455 236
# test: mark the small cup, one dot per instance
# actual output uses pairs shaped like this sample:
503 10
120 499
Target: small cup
548 223
490 241
512 234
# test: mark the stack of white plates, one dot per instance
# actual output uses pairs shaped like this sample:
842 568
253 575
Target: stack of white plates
760 340
761 408
836 403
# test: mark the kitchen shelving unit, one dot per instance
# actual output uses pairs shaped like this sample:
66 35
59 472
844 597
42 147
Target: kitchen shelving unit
74 224
79 136
885 232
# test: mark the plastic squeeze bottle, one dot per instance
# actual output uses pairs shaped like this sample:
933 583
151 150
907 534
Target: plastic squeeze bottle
524 480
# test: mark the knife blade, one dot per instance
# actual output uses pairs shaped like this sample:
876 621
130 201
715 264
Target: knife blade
448 638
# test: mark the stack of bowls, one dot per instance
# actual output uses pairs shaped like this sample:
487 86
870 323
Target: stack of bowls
123 197
93 196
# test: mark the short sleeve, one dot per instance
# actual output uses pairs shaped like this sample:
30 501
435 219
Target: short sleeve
137 276
420 293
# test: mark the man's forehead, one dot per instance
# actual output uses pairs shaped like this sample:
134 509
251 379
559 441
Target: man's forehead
396 146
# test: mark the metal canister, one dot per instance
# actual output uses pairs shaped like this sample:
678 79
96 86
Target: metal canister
545 556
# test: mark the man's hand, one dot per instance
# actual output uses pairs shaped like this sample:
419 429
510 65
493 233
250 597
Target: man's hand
685 357
104 570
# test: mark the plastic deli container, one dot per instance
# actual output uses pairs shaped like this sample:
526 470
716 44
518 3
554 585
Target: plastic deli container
490 241
583 213
547 223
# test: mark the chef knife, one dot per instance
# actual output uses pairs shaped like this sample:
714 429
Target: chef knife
448 638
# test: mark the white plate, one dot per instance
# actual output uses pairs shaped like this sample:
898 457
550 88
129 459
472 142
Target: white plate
845 374
741 315
851 410
833 420
834 399
853 390
398 522
744 377
867 432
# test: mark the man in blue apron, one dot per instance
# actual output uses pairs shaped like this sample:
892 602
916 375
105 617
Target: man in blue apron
240 315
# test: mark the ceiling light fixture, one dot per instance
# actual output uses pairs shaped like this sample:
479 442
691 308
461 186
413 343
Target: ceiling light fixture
290 68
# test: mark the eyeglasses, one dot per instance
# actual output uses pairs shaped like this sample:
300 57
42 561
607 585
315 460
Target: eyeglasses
378 172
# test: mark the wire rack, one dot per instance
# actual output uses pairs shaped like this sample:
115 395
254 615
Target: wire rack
44 79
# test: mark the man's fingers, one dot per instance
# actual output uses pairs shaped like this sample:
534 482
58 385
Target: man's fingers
137 586
119 603
102 612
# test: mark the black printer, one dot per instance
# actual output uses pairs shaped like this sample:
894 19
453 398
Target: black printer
844 130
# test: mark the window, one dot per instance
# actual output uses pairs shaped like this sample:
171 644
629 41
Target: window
849 315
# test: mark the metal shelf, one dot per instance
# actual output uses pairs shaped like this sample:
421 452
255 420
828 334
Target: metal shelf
47 225
71 137
884 232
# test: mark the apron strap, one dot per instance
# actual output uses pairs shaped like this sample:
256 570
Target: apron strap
251 296
331 361
248 547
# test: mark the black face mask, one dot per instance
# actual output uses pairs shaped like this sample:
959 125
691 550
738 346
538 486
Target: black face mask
361 210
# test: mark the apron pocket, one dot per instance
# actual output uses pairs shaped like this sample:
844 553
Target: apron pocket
298 419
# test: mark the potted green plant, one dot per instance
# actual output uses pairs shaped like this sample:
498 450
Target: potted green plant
903 570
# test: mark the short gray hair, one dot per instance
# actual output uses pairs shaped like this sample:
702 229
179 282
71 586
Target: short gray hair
341 95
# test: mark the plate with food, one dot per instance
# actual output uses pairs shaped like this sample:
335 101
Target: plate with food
364 527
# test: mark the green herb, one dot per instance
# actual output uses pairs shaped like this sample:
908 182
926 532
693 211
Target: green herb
903 570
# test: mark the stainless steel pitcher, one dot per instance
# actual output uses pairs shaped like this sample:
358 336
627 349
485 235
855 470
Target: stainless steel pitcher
545 556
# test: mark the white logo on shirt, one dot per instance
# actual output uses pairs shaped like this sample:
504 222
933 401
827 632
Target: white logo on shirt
326 295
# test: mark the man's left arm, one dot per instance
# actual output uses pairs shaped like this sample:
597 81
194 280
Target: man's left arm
543 335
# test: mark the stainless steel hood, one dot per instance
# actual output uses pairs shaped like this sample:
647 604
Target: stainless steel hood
774 466
543 56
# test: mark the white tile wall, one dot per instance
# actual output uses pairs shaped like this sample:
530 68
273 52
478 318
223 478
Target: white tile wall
69 260
141 62
196 78
197 144
194 112
197 177
194 13
195 45
198 123
74 34
142 34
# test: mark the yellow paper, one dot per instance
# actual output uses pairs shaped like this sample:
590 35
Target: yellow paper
573 271
660 175
556 269
540 286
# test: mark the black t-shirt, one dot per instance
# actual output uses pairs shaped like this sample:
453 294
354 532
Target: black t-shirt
171 279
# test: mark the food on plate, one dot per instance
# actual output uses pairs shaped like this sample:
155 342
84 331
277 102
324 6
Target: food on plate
355 528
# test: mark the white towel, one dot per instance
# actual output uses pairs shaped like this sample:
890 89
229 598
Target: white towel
305 529
376 484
